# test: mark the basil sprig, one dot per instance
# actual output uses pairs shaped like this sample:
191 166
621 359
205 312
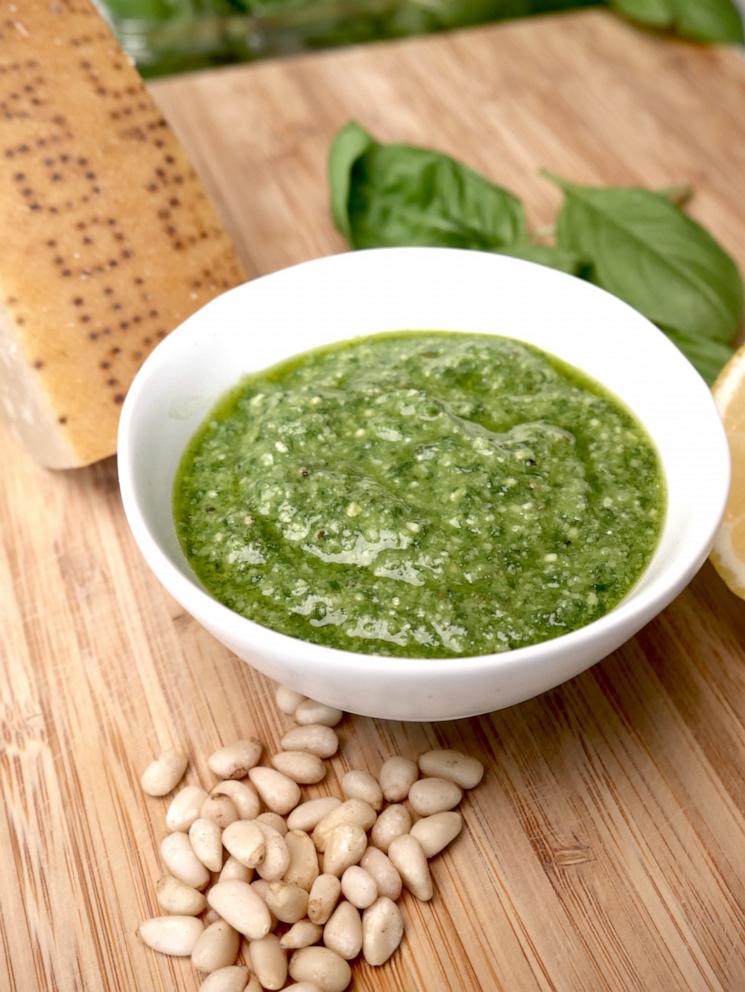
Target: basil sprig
636 243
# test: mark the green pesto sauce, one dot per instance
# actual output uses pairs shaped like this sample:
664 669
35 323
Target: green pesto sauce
420 494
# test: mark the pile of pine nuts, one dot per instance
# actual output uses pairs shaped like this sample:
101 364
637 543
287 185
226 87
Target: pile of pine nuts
309 885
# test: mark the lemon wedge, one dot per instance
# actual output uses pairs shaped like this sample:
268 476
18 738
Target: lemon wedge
728 553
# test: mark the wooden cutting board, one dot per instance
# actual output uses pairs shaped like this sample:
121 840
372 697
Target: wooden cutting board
605 849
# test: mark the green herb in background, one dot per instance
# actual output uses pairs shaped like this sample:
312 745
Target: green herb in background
175 35
636 243
701 20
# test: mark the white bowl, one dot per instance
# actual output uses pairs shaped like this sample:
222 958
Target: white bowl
330 299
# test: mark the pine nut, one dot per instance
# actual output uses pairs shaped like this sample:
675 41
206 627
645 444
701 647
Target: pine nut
380 866
205 838
434 795
216 948
184 807
397 775
345 846
219 808
268 961
357 784
261 888
173 935
343 932
240 906
228 824
164 774
359 887
234 869
455 766
324 894
409 860
277 858
355 811
242 795
278 791
382 931
287 901
301 767
313 738
301 934
230 979
394 821
303 867
182 862
287 699
321 966
309 814
311 711
273 820
435 832
178 899
234 760
244 840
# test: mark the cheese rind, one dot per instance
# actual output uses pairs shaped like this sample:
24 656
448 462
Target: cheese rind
109 239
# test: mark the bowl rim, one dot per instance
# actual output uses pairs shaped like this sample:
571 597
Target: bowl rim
271 643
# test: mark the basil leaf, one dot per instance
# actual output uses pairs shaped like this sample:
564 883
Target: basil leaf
550 255
644 249
387 195
705 355
348 145
635 243
702 20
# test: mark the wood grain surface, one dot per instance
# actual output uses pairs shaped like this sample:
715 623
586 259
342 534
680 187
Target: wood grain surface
605 849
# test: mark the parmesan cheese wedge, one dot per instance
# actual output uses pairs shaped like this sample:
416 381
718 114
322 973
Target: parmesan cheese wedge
108 238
